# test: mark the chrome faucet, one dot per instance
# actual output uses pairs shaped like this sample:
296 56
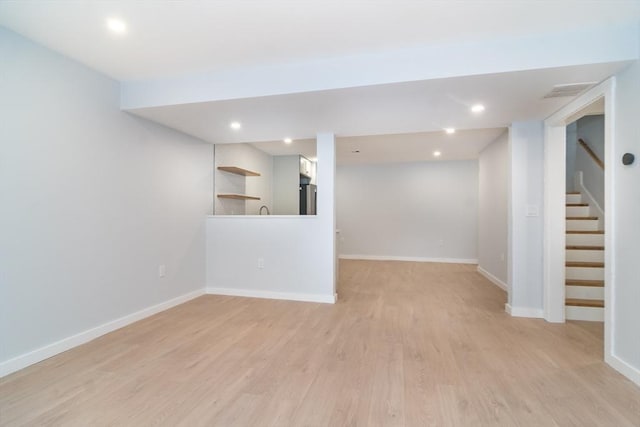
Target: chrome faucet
265 207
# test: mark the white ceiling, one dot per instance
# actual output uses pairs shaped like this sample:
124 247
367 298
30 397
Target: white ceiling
168 38
398 148
592 109
422 106
305 147
172 38
414 147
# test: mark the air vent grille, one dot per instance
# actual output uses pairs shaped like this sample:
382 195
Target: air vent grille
571 89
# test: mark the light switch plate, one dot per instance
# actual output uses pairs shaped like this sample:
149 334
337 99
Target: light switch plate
532 210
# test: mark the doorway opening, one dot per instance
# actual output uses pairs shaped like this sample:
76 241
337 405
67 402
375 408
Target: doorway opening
570 226
585 215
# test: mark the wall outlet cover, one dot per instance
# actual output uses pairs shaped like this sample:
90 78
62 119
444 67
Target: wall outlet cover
532 210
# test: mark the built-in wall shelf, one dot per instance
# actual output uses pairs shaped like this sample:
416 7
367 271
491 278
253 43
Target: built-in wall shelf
238 171
237 197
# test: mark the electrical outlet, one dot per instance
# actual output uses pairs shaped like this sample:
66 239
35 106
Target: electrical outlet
260 262
162 270
501 257
440 242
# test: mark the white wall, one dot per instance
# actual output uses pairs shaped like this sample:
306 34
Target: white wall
591 130
572 144
425 210
286 184
314 173
626 200
298 252
493 183
92 201
525 269
248 157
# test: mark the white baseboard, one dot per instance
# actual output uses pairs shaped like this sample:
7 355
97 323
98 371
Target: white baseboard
20 362
493 279
290 296
410 259
624 368
535 313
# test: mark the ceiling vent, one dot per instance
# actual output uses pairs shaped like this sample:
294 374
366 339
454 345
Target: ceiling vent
571 89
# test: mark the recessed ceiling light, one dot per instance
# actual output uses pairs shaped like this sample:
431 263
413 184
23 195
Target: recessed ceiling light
436 153
116 25
288 140
235 125
449 130
478 108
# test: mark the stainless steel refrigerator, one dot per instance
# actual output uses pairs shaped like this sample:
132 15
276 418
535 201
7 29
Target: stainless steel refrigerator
308 197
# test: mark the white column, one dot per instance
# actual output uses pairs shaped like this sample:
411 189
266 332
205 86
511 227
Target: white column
554 223
326 148
526 155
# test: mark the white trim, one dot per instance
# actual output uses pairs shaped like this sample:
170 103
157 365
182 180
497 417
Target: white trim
624 368
493 279
410 259
290 296
20 362
535 313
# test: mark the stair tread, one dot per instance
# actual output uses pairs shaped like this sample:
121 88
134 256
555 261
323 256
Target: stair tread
585 247
585 232
584 264
591 283
578 302
582 217
577 205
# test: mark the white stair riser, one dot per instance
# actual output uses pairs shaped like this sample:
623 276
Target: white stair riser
584 292
584 273
585 239
585 255
574 198
578 211
582 224
592 314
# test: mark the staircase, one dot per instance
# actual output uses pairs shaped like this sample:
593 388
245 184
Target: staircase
584 270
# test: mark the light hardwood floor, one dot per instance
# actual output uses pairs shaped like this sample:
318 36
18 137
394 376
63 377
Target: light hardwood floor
407 344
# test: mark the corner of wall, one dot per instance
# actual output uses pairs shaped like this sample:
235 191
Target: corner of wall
24 360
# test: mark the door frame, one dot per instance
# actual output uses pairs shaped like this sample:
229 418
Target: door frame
554 206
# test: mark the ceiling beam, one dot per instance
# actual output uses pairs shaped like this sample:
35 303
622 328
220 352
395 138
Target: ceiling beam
588 46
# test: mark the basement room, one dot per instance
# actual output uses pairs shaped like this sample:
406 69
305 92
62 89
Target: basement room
319 213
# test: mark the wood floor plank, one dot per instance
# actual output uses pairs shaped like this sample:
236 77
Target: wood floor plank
407 344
